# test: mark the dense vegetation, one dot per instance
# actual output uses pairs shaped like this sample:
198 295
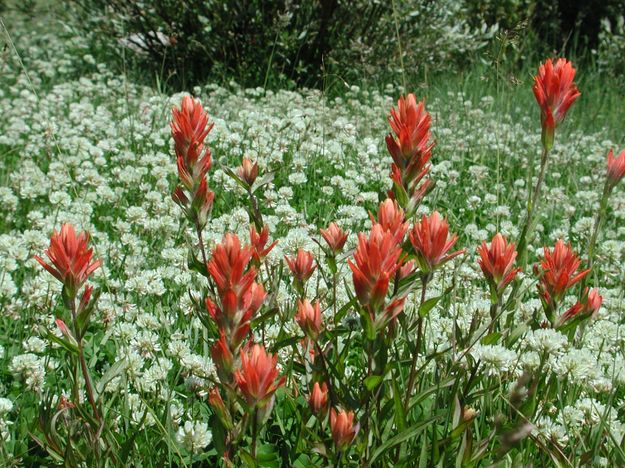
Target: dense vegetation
430 356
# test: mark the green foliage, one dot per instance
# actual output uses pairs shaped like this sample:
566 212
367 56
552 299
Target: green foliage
278 43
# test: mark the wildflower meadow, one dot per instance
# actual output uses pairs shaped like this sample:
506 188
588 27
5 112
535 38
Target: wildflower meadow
401 275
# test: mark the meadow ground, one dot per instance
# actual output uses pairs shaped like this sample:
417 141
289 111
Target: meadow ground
82 145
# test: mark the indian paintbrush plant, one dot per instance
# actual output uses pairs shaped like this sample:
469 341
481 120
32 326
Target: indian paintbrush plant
343 383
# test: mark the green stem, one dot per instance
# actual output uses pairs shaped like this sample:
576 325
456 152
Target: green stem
200 238
83 362
333 397
493 315
413 365
254 432
257 216
599 220
532 206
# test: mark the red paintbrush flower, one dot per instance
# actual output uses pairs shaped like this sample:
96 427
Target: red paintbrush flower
318 400
588 307
229 265
392 219
189 127
222 356
258 376
496 262
218 406
308 318
343 428
431 241
411 149
70 258
248 171
302 266
555 92
558 272
259 244
616 168
239 296
235 314
411 125
335 237
376 258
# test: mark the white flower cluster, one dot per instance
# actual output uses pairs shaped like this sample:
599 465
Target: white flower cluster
194 436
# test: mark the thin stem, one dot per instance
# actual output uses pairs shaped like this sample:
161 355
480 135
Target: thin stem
367 415
413 365
333 396
254 432
83 362
200 238
532 206
493 315
599 220
258 217
334 305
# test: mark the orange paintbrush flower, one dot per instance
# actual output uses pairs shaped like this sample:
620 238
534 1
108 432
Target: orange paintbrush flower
257 378
392 218
588 307
559 271
411 126
229 263
343 428
496 262
431 241
218 406
616 168
318 400
555 92
222 356
302 266
411 149
308 317
189 128
376 260
259 243
248 171
335 237
70 258
239 296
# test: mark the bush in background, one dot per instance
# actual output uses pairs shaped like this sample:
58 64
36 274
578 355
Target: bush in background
278 42
611 48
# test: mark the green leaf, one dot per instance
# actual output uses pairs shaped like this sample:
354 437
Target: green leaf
342 312
291 341
235 177
303 461
400 438
428 305
400 194
267 455
110 374
419 397
373 381
400 416
196 265
84 316
72 348
264 180
247 458
492 338
266 316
